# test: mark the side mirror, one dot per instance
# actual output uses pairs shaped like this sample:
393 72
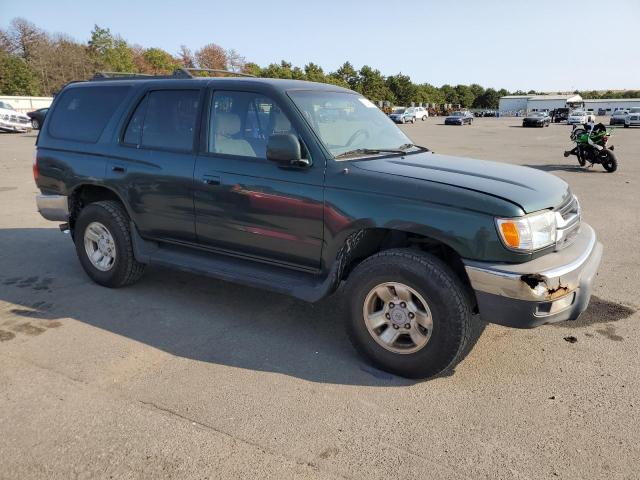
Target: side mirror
284 149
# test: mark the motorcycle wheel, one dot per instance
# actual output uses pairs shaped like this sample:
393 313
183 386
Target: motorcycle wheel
581 161
609 161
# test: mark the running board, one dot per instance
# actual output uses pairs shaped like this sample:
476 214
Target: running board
305 286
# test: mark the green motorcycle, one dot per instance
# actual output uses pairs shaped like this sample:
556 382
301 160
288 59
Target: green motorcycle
591 146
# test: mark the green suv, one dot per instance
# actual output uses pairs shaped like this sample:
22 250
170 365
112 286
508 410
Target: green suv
299 188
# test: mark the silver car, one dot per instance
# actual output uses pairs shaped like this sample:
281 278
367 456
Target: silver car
632 119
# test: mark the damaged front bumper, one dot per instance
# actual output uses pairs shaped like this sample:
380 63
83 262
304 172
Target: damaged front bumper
549 289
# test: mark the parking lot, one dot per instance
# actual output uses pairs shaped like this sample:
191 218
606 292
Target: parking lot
182 376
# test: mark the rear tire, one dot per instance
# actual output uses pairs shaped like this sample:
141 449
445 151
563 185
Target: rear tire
110 221
426 279
610 164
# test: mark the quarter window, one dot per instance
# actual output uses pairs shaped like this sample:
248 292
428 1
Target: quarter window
82 112
241 123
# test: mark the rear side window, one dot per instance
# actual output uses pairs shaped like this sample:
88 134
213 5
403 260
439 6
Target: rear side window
169 120
82 113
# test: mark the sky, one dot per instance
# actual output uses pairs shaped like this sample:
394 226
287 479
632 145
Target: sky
546 45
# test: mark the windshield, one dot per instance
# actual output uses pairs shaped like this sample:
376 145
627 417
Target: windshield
535 114
346 121
457 114
578 114
6 105
634 110
399 110
620 112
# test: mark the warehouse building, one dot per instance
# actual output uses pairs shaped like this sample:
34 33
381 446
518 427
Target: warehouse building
512 104
610 105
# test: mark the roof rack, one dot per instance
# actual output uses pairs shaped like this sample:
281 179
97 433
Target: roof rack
187 72
177 73
112 75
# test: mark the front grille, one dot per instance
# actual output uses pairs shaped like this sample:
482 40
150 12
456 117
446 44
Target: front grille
568 222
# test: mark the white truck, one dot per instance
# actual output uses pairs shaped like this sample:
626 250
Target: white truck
13 121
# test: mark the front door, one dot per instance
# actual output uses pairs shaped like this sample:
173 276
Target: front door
246 204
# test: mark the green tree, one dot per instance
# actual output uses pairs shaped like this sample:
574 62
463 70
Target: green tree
112 53
372 85
314 73
159 62
17 77
450 94
465 95
347 74
403 89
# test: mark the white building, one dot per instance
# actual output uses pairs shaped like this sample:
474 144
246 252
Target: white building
610 105
511 104
538 103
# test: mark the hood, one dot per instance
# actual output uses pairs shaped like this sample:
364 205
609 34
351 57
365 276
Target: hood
13 113
528 188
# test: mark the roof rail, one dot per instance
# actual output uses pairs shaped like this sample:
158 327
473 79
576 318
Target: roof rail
177 73
187 72
112 75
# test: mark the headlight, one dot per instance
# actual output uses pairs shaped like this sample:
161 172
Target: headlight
528 233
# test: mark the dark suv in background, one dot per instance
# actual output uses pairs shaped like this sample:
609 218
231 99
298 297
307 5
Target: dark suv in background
299 187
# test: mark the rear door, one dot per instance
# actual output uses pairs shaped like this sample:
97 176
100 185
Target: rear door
154 162
246 204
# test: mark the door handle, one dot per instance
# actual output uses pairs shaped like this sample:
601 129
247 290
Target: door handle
211 180
118 169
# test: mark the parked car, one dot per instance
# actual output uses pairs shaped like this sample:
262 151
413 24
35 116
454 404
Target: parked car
581 117
459 118
602 112
244 180
421 113
37 117
632 118
536 119
618 117
11 120
559 114
403 115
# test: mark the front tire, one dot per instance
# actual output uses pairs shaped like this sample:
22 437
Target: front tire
103 245
409 313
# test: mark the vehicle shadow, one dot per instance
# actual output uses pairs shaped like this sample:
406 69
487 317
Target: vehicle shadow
185 315
564 167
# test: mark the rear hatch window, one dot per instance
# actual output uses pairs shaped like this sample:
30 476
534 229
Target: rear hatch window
81 114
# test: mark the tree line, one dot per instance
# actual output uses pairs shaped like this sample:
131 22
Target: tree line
36 62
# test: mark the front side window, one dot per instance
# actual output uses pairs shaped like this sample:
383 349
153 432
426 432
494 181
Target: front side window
347 121
241 123
168 119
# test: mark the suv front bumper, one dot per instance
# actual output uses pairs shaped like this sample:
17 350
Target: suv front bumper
549 289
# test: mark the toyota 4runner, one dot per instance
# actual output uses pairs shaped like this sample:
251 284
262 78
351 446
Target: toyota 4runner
299 187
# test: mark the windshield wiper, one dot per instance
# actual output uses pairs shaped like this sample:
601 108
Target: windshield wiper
369 151
407 146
